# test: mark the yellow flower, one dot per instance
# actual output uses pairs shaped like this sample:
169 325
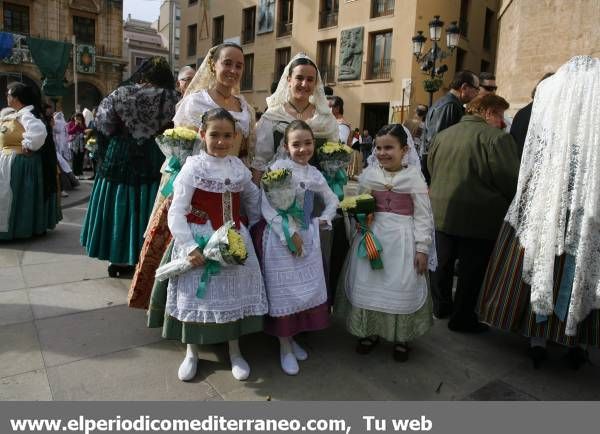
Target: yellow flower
183 133
332 148
352 202
275 175
91 141
237 248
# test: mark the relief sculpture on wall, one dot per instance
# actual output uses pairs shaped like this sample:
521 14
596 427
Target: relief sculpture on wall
351 51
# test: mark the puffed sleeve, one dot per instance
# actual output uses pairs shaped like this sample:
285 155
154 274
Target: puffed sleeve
265 148
423 220
251 200
189 112
329 198
35 131
180 207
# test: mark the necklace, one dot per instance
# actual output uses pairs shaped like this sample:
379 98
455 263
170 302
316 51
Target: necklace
388 178
225 97
299 113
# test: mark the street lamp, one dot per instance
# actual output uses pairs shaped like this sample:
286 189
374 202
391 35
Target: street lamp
429 59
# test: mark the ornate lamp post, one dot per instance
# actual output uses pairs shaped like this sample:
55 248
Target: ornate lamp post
429 59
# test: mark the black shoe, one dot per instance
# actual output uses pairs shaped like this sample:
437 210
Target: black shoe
537 355
119 270
442 313
477 327
577 357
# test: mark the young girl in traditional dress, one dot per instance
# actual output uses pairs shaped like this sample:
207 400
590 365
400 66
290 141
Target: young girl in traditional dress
392 303
295 281
209 192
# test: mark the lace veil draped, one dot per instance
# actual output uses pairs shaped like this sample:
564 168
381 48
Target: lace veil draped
556 209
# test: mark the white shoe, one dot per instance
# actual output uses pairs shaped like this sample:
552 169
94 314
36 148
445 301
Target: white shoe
64 194
239 368
188 368
299 352
289 364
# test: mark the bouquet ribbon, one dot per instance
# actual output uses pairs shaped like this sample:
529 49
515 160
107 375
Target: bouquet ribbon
293 211
337 181
173 168
211 268
369 246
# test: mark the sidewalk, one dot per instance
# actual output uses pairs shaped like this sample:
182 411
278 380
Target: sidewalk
67 334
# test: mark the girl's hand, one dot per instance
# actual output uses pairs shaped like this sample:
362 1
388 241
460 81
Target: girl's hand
421 262
196 258
298 243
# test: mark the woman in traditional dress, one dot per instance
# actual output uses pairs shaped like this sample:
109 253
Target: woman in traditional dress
543 278
300 95
28 183
215 85
127 122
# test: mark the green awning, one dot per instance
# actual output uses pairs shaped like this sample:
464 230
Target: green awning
52 58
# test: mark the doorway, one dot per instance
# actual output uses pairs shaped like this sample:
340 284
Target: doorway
375 116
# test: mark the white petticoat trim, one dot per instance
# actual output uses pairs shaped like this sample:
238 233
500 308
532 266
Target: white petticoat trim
235 293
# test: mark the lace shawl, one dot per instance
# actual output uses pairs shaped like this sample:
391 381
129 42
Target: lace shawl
143 110
556 209
216 175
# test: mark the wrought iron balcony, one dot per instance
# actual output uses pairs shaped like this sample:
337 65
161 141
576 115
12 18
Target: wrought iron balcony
379 70
328 18
380 8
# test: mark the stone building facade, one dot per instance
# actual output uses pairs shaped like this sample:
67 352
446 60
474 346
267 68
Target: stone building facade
537 36
95 22
362 47
140 42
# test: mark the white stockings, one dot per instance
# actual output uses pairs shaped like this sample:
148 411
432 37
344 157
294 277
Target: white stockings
189 366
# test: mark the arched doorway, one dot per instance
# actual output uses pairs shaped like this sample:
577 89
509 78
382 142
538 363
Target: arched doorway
88 96
9 77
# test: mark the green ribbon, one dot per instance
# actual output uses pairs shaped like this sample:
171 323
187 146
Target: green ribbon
211 267
173 168
295 212
376 263
337 181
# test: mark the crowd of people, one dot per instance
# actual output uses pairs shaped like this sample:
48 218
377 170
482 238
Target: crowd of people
473 219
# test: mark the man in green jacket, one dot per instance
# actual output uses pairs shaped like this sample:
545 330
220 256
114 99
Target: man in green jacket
474 168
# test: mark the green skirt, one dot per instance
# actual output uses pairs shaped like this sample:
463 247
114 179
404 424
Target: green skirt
391 327
194 333
31 214
121 201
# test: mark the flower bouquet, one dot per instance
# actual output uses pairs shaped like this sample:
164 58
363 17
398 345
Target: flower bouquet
176 144
280 191
334 159
362 208
92 146
224 247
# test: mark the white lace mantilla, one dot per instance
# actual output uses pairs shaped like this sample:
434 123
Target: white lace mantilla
556 209
216 175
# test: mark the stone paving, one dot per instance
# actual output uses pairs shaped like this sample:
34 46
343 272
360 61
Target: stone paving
67 334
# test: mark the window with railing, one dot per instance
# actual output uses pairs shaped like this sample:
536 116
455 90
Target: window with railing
246 83
218 29
285 18
463 23
192 35
328 13
380 8
379 63
282 58
248 25
326 60
84 30
16 18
